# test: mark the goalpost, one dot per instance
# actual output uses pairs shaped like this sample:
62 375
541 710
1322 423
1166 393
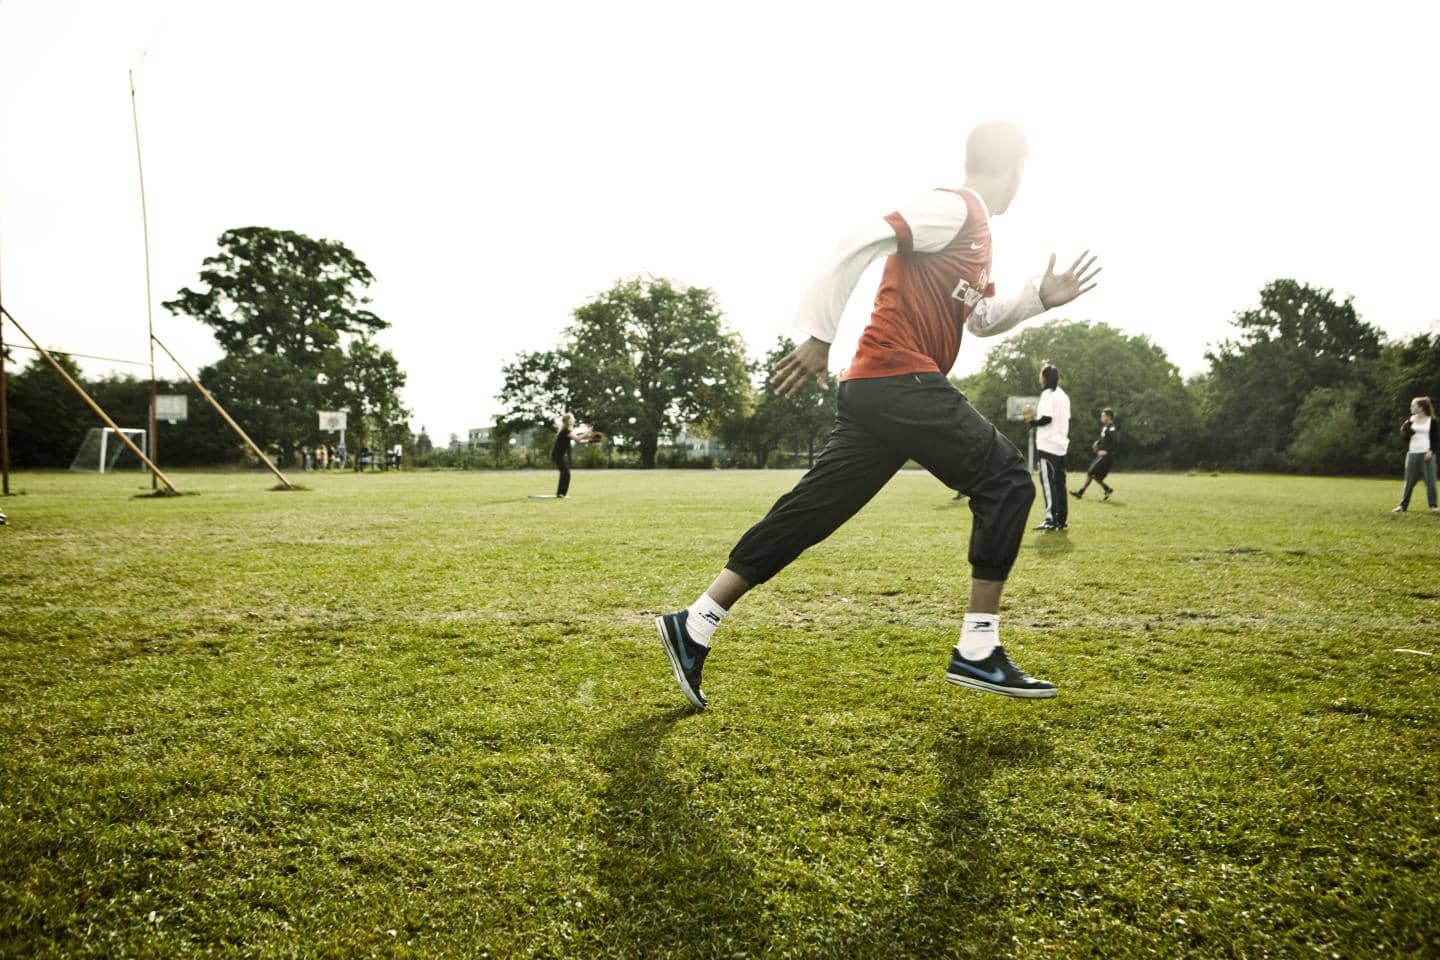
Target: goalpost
102 447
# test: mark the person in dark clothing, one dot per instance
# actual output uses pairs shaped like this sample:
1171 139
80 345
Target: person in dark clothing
565 438
1104 450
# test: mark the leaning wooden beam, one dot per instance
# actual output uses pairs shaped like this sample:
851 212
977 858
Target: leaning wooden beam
221 410
154 470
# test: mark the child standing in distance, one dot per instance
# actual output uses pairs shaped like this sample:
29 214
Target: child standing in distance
896 404
1422 432
1104 450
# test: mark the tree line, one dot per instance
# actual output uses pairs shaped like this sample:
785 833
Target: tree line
1301 384
291 317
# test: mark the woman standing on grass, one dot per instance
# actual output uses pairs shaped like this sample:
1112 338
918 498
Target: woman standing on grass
1423 435
560 453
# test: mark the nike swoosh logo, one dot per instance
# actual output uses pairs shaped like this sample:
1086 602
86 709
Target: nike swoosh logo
994 676
686 660
976 246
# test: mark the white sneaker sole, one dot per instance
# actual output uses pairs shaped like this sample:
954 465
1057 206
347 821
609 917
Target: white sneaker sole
977 684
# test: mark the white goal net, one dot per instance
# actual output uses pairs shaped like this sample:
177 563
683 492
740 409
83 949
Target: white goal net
102 451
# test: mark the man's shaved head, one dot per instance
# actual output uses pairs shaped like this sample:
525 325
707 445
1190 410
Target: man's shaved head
994 149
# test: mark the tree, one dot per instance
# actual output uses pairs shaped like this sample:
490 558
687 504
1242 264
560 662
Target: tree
289 312
1100 367
772 422
534 392
48 420
1327 436
366 382
647 357
1298 339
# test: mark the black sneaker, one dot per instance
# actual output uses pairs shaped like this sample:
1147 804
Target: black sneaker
1078 494
686 656
996 674
1107 493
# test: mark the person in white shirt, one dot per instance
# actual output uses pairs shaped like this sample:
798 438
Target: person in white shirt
1423 434
1051 423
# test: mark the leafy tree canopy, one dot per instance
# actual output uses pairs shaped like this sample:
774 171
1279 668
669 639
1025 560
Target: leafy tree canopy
638 361
1298 339
1099 367
280 292
289 312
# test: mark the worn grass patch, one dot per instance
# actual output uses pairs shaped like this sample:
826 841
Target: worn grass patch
423 715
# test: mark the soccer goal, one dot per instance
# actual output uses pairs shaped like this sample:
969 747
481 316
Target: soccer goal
101 449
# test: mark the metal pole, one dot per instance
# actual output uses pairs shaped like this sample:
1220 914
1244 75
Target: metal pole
92 404
221 410
154 438
4 419
4 416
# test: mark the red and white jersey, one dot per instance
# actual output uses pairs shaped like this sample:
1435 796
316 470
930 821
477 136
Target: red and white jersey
937 283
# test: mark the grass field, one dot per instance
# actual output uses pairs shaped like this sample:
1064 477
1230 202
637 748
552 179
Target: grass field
422 715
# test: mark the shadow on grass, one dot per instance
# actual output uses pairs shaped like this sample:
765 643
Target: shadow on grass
1050 544
953 901
675 887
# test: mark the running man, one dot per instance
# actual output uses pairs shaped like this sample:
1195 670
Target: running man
896 404
1051 423
1104 450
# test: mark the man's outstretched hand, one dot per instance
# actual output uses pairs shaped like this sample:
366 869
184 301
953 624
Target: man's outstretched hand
1059 288
798 367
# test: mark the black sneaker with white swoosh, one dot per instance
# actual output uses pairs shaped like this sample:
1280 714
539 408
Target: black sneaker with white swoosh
996 674
686 656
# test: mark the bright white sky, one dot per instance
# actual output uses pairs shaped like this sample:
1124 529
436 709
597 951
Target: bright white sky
497 164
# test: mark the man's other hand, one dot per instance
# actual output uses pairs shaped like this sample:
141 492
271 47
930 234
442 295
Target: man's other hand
808 361
1061 288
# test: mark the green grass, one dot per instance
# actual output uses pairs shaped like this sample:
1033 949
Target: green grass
422 715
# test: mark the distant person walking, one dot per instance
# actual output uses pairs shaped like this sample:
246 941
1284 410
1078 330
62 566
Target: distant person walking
1104 450
1422 433
1051 423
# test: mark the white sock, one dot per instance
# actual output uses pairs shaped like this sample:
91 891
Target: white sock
704 616
980 635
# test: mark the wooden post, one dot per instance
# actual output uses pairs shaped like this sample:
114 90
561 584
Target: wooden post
93 405
4 419
221 410
149 316
4 415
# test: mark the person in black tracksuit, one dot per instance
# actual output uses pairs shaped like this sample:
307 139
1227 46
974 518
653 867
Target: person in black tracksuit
1104 450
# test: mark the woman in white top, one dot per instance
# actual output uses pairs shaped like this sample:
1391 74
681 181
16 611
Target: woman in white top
1422 432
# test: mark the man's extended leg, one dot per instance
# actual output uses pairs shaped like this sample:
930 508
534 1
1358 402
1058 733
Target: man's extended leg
965 451
853 467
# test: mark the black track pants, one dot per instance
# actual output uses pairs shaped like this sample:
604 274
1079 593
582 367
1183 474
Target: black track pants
562 463
880 424
1052 484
